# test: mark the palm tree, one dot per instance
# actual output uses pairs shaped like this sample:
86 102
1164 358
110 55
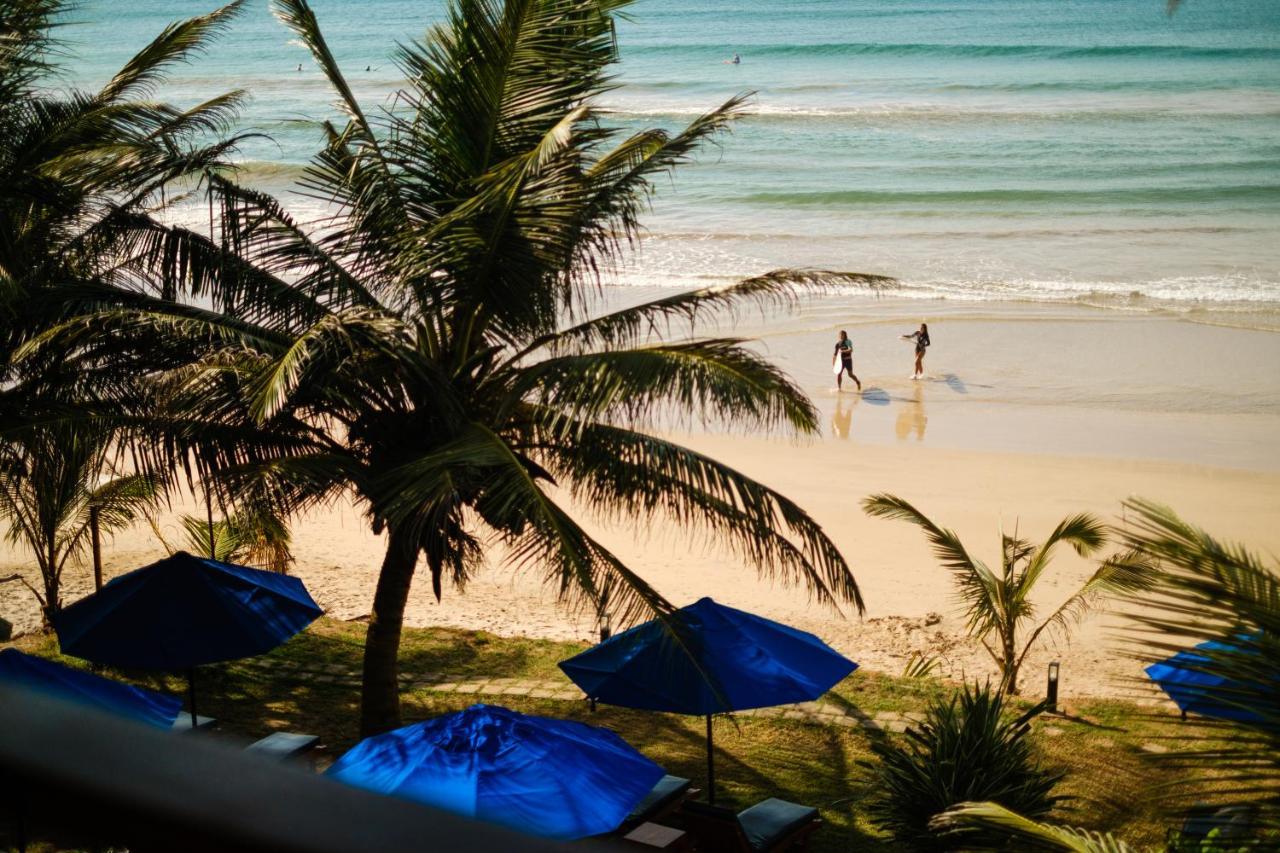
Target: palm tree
81 175
1199 589
55 499
1205 589
437 347
998 603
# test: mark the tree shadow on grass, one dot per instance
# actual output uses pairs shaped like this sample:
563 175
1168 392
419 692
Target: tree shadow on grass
758 758
868 726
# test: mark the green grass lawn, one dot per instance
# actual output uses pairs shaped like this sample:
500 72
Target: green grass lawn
1109 773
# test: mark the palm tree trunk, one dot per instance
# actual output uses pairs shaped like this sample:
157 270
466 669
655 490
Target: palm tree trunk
380 695
51 591
1010 670
96 540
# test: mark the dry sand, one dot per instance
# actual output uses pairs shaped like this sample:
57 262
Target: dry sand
882 442
906 591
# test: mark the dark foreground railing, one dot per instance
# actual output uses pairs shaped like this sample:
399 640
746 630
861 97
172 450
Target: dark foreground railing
78 777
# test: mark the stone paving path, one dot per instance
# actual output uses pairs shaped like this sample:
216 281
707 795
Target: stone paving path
825 712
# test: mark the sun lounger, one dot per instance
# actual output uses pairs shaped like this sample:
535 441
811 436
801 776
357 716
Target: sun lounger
665 798
284 746
202 723
767 827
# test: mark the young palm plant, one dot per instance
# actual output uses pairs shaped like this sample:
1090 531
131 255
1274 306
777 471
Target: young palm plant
248 536
57 496
969 747
436 347
998 603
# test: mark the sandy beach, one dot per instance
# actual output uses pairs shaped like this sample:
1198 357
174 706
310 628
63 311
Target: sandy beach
1028 413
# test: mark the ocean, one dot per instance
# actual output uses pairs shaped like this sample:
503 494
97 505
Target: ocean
1091 151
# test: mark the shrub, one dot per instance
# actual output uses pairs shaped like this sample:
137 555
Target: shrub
968 749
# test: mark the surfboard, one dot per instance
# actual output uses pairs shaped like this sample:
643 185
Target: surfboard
836 367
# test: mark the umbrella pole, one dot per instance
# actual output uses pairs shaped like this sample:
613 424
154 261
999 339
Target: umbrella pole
191 689
711 767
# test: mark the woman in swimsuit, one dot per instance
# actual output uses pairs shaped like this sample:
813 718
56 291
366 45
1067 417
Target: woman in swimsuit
844 352
921 337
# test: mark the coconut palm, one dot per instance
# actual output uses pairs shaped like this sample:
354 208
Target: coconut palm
438 347
998 603
56 500
79 172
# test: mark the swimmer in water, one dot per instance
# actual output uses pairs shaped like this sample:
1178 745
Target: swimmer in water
737 60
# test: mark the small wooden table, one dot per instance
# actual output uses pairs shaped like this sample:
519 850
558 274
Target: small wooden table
660 837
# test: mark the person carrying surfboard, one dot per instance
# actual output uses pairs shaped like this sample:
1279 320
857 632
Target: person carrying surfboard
921 337
842 361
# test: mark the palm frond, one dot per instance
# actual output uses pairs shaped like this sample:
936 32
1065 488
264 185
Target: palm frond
979 588
1121 574
994 819
298 16
716 379
1084 532
120 501
621 181
1208 590
175 44
26 44
324 348
771 291
617 471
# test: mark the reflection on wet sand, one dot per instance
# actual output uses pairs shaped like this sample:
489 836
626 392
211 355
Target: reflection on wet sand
912 419
841 419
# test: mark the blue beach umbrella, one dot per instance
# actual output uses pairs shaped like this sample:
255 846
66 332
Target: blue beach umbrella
1189 680
552 778
124 700
182 612
753 662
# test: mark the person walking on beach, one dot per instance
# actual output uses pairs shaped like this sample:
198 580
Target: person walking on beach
844 355
921 337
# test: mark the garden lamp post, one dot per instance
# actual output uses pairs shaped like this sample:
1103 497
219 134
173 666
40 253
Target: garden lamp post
1051 694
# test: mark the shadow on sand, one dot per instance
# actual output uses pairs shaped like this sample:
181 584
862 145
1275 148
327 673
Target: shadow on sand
875 396
955 383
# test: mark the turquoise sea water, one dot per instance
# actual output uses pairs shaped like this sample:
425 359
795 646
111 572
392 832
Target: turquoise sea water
1089 150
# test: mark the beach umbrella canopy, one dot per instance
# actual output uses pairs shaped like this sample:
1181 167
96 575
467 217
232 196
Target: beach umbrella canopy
185 611
1189 680
552 778
725 660
85 688
182 612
